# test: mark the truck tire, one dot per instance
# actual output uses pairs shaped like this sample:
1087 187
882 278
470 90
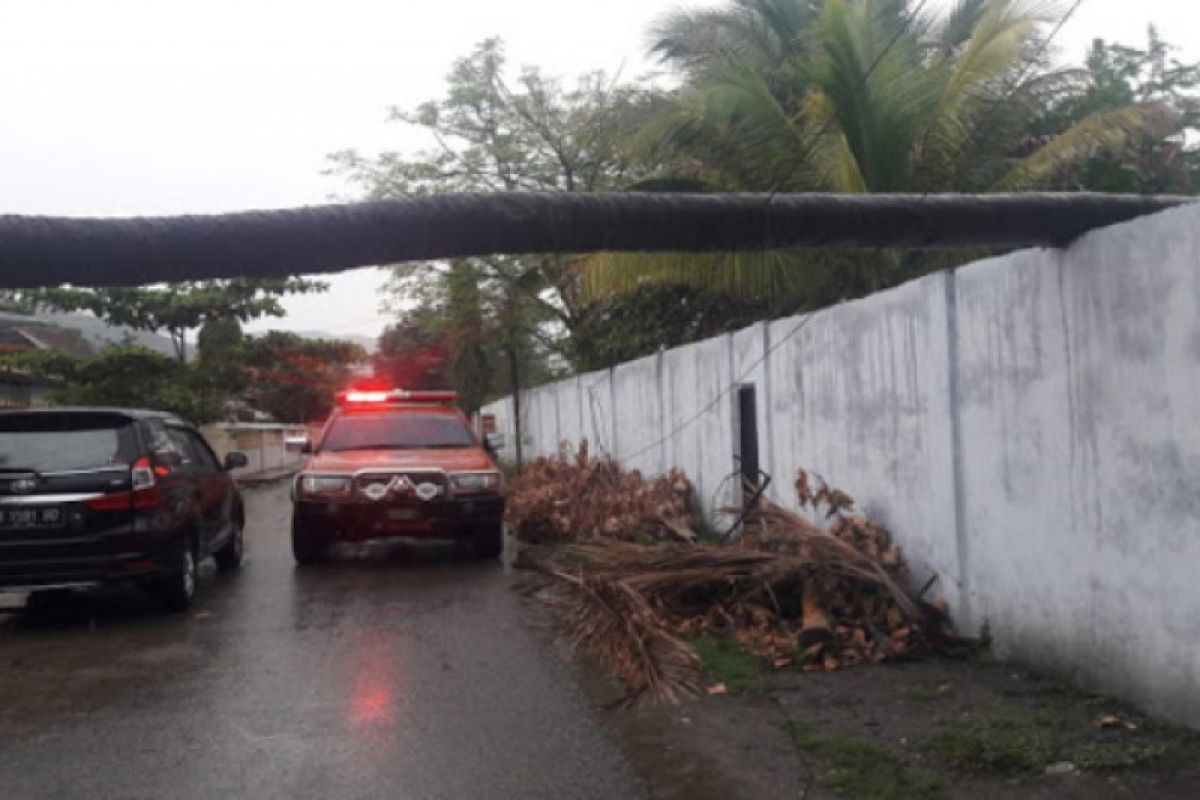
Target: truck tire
309 546
488 540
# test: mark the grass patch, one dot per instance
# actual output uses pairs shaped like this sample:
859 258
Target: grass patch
725 662
1028 743
998 744
861 769
1119 755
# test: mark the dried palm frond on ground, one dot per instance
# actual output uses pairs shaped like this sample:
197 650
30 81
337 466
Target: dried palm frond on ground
791 591
578 496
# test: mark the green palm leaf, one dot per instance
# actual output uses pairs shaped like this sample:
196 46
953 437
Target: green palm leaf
1104 130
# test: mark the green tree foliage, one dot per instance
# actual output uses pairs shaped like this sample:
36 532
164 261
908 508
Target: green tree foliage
474 315
869 96
411 357
295 379
219 356
633 324
1166 158
125 376
491 134
174 308
773 96
219 338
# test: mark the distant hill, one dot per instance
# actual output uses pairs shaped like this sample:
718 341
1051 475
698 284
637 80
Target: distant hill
82 334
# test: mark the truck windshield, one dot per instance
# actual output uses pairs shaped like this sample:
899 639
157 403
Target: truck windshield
48 442
396 431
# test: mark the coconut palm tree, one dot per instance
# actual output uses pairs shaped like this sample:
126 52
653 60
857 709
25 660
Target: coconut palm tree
854 96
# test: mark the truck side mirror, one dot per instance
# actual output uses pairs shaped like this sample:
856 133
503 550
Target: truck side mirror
297 444
235 460
494 442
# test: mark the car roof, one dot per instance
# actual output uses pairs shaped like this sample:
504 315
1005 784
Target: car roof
132 413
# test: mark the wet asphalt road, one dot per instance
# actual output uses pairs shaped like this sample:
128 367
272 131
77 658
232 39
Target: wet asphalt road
402 674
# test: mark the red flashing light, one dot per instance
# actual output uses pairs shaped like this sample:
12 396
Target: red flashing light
378 396
368 397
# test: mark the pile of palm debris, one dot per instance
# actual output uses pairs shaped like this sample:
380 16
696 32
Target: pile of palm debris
794 592
578 496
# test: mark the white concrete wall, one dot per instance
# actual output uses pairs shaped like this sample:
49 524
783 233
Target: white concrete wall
262 444
1028 427
1079 386
637 397
596 396
861 396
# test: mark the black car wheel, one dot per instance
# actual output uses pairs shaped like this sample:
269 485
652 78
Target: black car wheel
309 546
178 589
230 555
488 540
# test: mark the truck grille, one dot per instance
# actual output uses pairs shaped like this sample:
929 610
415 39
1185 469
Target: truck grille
402 486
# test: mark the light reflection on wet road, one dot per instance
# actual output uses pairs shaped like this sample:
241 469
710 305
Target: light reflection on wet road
410 677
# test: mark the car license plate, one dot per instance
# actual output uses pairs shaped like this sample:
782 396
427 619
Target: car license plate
401 514
25 517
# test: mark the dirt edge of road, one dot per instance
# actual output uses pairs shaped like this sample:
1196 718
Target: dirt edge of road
974 728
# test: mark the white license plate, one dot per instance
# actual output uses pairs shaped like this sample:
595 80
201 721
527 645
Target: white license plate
401 514
31 517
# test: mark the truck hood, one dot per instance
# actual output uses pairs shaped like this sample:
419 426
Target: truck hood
466 459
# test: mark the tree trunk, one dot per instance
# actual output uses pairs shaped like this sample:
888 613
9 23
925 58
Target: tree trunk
45 251
179 340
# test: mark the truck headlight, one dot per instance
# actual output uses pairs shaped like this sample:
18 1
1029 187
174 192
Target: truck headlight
475 481
324 484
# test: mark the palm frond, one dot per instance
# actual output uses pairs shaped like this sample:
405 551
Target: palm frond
1103 131
830 154
974 81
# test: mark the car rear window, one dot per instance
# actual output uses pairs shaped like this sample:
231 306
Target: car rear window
47 442
396 431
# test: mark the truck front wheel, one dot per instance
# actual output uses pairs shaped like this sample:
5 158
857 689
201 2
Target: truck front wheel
488 540
309 545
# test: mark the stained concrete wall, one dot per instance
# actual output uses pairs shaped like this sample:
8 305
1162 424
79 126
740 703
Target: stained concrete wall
1027 426
1079 406
861 396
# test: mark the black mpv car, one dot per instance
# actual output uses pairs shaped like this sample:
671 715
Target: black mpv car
95 496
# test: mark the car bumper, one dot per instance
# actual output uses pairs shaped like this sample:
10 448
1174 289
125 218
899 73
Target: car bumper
356 521
35 560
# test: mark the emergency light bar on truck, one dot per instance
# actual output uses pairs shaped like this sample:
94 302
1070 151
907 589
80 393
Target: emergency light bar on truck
353 397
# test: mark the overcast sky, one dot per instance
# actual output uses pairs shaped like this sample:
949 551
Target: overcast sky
120 107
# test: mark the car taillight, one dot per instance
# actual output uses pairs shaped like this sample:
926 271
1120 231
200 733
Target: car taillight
145 492
117 501
143 474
